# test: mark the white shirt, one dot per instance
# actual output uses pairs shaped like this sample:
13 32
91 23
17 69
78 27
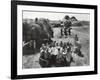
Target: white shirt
54 51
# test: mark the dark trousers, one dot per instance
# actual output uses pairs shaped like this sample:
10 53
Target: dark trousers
53 59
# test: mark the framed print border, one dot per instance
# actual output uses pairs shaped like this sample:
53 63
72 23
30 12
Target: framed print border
14 37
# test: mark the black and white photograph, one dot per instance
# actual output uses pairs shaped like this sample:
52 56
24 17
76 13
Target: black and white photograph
54 39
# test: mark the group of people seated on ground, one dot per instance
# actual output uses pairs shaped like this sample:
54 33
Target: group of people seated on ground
58 54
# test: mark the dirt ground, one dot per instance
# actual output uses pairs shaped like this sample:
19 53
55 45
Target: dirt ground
32 61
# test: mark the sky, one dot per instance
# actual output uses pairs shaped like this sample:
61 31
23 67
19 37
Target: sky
54 16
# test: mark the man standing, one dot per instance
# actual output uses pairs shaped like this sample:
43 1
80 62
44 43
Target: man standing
67 25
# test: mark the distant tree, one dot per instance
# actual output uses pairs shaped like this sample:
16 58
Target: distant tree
67 17
74 18
36 19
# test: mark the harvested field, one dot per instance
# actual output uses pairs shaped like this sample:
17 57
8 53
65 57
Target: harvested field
32 60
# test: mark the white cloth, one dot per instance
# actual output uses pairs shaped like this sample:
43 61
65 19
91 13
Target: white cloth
54 51
64 53
49 50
